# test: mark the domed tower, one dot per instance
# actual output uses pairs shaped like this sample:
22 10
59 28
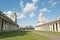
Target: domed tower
13 16
40 18
58 18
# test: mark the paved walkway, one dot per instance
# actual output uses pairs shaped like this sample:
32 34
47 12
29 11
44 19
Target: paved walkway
51 36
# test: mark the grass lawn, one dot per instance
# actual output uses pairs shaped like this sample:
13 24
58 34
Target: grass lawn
21 35
55 33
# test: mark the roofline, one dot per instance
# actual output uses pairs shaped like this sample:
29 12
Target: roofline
7 18
49 22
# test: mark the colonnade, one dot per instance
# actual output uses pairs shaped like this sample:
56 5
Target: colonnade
55 26
51 26
6 24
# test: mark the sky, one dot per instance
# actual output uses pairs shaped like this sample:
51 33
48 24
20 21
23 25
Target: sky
28 10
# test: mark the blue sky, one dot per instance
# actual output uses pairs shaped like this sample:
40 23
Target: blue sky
29 10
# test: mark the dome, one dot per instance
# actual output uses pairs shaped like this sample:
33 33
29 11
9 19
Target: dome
41 19
58 18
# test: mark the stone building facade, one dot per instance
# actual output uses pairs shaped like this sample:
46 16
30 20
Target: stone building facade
48 26
7 24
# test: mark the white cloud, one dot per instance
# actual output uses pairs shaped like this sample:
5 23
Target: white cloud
25 24
29 8
32 15
21 16
44 10
52 3
28 23
7 13
34 1
17 13
21 3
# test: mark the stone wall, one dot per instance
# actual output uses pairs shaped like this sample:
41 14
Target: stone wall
51 26
0 24
6 24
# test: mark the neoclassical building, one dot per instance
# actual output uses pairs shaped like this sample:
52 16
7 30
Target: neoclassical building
8 24
44 25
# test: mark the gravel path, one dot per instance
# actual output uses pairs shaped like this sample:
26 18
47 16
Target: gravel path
51 36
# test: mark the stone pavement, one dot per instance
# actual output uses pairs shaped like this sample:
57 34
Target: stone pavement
51 36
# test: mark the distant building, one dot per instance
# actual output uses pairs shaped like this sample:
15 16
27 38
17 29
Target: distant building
8 24
30 27
44 25
27 29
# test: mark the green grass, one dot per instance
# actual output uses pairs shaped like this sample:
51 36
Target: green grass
49 32
21 35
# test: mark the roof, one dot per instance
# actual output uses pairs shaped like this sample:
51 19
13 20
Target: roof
3 16
55 21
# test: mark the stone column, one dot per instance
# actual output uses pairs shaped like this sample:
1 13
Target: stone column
58 26
45 27
0 24
49 28
4 25
52 27
55 26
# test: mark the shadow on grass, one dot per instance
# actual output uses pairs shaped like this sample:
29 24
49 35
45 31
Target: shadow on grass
13 34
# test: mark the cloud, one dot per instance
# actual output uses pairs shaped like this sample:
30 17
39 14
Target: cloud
29 8
52 3
21 16
34 1
44 10
32 15
7 13
28 23
21 4
25 24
